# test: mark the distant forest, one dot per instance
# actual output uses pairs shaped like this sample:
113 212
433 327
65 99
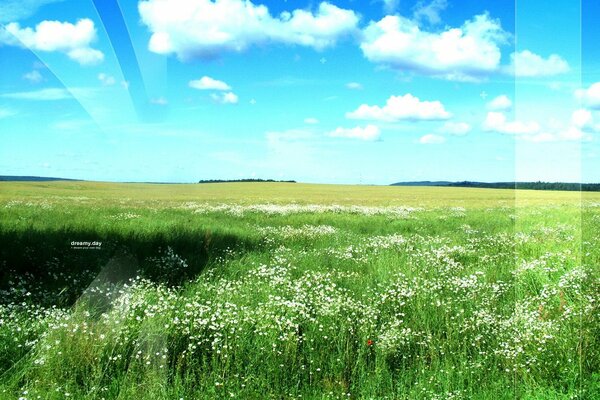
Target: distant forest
586 187
241 180
10 178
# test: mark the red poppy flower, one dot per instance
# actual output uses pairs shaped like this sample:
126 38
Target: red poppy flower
369 342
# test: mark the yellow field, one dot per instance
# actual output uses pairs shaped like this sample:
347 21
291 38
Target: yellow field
251 193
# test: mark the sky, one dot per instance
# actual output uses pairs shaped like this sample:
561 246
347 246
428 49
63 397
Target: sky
356 92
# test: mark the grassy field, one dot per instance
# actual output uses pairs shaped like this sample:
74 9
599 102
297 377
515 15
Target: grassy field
295 291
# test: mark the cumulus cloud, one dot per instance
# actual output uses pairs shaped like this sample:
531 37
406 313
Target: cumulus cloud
498 122
311 121
33 76
208 83
530 65
225 98
578 128
584 120
432 139
74 40
429 11
500 103
106 80
581 118
590 96
466 53
407 107
367 133
206 29
354 86
456 128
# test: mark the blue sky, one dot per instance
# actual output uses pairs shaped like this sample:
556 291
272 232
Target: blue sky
369 92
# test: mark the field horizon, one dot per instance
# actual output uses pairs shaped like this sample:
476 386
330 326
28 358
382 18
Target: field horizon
281 192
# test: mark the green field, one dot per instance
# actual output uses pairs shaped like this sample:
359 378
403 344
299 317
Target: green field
296 291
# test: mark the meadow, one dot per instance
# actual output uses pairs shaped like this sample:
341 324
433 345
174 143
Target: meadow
296 291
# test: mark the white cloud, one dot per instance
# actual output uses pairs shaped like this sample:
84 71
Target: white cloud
466 53
497 122
86 56
584 120
429 11
13 10
432 139
456 128
225 98
531 65
367 133
578 128
208 83
74 40
581 118
590 96
407 107
500 103
206 29
49 94
311 121
354 86
106 80
33 76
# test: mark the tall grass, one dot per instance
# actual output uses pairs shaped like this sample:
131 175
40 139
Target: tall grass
194 300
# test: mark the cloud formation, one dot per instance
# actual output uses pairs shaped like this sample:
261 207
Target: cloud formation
225 98
579 127
525 64
206 29
354 86
590 96
208 83
74 40
498 122
106 80
500 103
367 133
49 94
456 128
466 53
33 76
13 10
397 108
429 11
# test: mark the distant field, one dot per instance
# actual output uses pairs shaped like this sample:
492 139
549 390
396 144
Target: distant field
251 193
297 291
